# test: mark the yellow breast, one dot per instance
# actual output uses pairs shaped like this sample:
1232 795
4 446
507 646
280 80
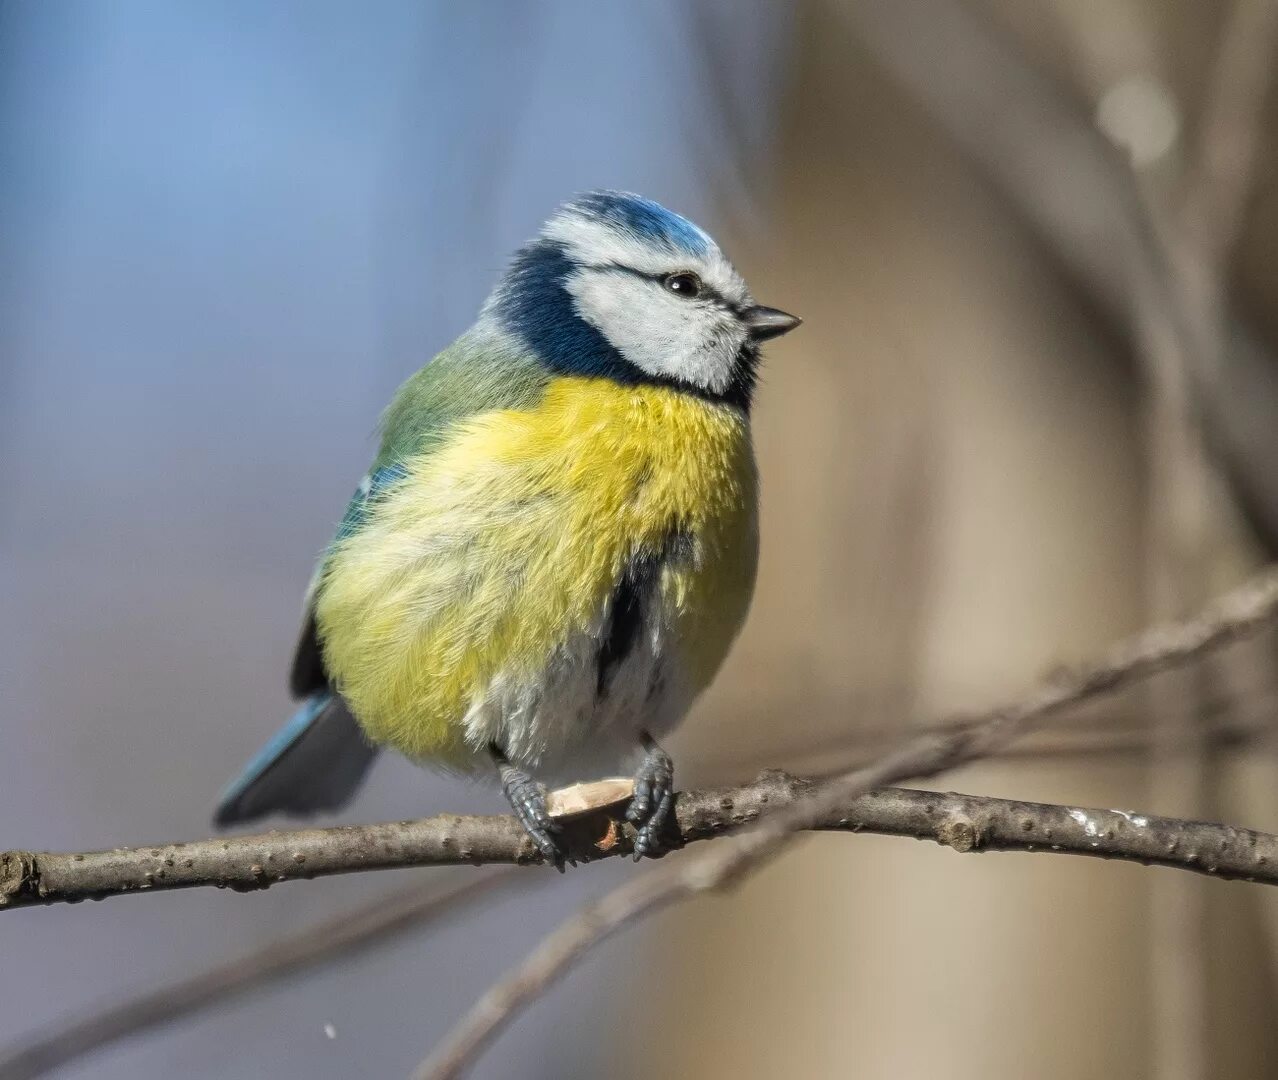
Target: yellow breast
506 542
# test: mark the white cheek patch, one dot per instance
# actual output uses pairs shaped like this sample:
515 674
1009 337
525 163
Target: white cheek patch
659 332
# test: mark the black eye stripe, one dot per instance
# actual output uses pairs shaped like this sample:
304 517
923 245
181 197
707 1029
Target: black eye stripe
708 292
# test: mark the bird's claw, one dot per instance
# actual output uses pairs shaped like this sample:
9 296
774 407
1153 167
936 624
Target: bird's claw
652 801
528 799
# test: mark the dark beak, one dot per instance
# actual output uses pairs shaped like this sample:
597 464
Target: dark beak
765 323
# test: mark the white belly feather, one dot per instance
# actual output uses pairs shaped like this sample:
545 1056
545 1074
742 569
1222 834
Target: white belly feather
564 724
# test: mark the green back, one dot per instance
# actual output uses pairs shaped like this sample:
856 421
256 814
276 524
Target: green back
478 373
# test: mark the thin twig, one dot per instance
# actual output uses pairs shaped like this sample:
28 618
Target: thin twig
1236 723
700 815
962 822
1240 612
256 862
348 933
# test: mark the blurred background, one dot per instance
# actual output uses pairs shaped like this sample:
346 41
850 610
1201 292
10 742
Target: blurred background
1034 408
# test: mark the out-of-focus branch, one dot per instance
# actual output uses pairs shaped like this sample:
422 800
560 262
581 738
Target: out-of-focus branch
1037 144
1181 369
1220 184
965 823
343 935
408 910
1243 611
962 822
1229 724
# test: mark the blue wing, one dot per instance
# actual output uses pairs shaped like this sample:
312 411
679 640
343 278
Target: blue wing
315 762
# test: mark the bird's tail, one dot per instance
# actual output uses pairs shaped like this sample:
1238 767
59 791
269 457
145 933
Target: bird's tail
315 762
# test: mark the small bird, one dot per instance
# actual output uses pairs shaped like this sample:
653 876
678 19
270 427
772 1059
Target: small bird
556 544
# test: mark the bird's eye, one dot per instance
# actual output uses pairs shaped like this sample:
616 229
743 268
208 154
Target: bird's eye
685 284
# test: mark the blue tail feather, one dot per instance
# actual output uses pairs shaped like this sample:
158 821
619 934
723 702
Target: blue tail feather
315 762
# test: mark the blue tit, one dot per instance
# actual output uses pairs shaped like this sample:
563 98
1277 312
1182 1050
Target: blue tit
556 544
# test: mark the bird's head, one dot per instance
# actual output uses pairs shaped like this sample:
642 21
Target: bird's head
619 287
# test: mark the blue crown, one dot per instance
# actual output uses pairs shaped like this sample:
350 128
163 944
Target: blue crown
646 219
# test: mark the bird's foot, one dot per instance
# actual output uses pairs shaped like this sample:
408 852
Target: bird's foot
651 806
528 799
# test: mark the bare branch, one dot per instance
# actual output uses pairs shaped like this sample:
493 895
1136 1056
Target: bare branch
248 863
962 822
256 862
1240 612
340 936
603 833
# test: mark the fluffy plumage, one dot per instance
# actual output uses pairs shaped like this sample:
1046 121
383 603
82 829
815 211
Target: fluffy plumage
472 605
557 541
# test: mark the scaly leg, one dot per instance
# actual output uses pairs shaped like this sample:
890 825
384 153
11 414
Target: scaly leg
528 799
653 799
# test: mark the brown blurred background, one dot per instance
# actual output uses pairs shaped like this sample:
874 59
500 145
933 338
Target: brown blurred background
1033 408
959 499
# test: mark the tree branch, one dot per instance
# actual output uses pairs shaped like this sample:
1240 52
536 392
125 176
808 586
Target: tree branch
1240 612
963 822
258 861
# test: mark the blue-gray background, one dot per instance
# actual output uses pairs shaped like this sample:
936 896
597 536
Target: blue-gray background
228 231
